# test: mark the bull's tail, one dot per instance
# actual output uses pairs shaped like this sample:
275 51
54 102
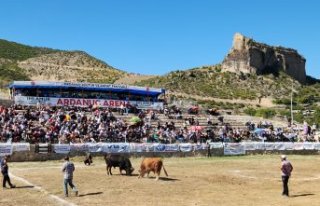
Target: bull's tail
165 171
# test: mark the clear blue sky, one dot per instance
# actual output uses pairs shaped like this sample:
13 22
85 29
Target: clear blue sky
158 36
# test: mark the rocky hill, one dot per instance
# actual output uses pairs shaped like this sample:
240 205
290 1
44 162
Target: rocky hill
133 78
69 66
21 62
249 56
211 83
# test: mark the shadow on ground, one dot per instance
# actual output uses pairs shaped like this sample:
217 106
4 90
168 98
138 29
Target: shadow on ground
23 187
165 179
168 179
132 175
302 195
91 193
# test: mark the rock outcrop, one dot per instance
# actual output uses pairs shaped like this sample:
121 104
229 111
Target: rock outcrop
248 56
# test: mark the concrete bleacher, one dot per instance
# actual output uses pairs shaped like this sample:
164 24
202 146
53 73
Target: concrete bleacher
235 121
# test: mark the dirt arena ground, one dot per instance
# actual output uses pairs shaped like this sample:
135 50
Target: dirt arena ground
245 180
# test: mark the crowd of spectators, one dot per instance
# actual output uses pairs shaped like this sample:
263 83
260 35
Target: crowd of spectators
79 125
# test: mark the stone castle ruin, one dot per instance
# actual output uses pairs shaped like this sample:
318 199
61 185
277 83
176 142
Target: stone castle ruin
248 56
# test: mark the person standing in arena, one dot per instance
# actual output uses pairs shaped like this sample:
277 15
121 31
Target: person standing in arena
88 159
5 173
286 169
68 169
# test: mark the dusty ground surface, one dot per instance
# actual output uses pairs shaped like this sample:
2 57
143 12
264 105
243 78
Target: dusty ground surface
246 180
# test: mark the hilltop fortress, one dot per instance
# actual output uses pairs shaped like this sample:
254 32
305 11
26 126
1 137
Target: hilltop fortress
248 56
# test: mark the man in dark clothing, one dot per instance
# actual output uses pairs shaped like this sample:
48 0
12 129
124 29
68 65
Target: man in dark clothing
88 159
208 149
5 173
286 169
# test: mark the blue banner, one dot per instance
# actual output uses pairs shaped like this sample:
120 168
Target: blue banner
79 147
61 148
94 147
172 148
116 147
159 147
185 147
5 149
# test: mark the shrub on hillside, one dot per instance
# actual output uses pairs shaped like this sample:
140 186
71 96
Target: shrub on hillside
266 113
284 101
250 111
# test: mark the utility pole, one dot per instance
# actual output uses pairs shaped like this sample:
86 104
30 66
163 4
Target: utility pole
291 102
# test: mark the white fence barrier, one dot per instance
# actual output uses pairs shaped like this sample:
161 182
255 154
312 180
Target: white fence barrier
130 147
240 148
5 149
234 149
228 148
18 147
8 148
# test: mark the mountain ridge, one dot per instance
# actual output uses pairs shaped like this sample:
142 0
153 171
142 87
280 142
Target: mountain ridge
41 63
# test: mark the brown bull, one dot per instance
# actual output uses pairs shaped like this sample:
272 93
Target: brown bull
154 165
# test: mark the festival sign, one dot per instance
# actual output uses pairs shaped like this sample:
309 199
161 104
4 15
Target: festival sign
308 145
94 147
135 147
279 146
79 85
19 147
81 102
259 146
61 148
144 147
269 146
159 147
80 147
5 149
214 145
185 147
298 146
201 146
249 145
172 148
234 149
115 147
317 146
286 145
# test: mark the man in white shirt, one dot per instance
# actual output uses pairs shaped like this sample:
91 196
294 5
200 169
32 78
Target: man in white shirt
68 169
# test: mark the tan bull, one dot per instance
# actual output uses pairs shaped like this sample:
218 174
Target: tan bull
151 164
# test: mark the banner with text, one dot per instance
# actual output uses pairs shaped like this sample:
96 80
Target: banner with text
81 102
234 149
214 145
116 147
185 147
80 147
61 148
19 147
94 147
5 149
